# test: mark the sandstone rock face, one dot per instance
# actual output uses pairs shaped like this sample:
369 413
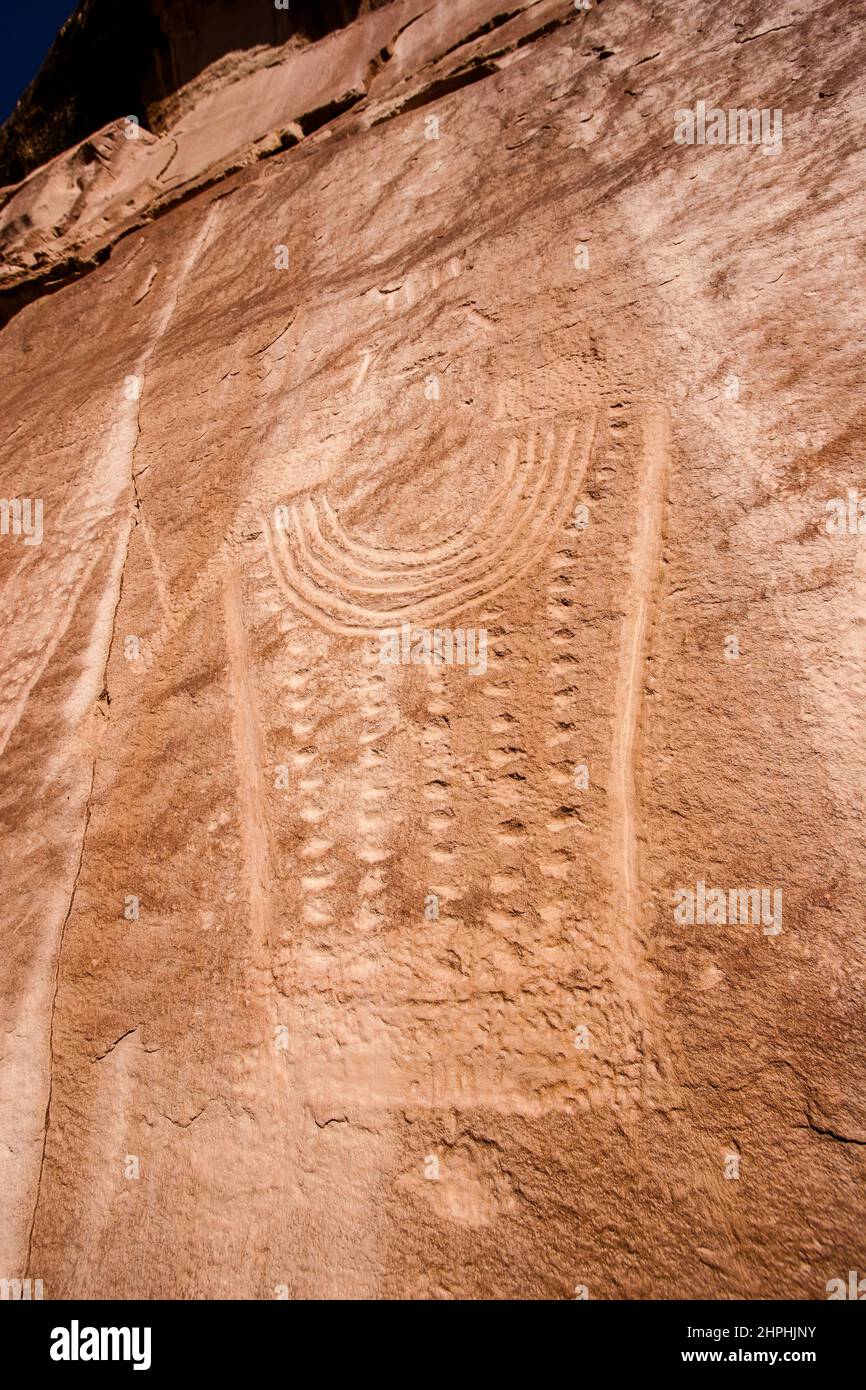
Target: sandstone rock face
109 60
339 968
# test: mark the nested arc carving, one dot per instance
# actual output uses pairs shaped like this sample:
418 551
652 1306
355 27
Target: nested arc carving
351 587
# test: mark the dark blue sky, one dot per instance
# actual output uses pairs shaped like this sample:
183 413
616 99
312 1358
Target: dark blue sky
27 29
